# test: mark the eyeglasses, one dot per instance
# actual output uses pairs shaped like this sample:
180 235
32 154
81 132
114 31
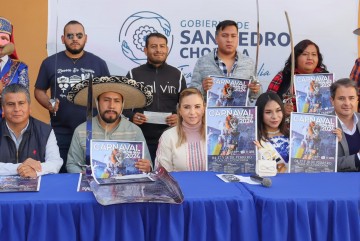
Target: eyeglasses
71 36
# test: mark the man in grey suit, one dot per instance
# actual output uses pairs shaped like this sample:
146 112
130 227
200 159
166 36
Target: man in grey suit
344 98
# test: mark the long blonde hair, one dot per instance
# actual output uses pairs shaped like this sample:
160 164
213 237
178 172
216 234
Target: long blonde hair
179 128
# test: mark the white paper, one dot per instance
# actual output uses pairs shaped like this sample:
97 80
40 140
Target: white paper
156 117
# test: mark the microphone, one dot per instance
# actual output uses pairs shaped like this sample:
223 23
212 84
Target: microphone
266 182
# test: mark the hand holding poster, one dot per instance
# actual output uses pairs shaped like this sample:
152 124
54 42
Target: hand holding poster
313 93
114 161
230 135
227 91
313 146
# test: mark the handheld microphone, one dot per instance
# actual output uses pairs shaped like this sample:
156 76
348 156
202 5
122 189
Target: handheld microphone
266 182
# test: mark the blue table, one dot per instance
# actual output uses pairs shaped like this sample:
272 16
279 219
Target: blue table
212 210
322 206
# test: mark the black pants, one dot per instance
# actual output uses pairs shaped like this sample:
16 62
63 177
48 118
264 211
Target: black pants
63 141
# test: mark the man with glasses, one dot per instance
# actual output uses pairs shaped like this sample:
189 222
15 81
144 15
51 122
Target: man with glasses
60 72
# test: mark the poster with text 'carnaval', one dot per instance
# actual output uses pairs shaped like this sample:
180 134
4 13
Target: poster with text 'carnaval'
113 162
313 146
313 93
230 134
227 91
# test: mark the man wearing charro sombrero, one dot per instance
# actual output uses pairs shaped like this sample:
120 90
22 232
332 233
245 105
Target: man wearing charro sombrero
111 96
12 70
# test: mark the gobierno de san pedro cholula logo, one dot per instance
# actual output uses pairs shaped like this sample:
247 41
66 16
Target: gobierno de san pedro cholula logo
134 30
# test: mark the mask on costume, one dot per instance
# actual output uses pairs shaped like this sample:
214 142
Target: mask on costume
9 49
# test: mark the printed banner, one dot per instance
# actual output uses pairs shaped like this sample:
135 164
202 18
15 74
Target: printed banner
116 30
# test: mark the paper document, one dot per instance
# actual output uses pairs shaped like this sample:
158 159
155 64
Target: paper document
156 117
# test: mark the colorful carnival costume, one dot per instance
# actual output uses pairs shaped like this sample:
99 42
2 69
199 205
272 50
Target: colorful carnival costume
12 70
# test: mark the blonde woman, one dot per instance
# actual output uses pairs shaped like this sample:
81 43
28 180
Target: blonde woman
182 148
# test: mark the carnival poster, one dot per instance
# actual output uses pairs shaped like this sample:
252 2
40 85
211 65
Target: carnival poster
84 183
19 184
230 134
313 146
113 162
227 91
313 93
163 189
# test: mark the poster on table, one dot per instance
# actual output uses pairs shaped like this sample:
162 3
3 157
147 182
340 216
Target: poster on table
19 184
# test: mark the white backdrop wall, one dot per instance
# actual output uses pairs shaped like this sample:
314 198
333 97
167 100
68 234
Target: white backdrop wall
116 30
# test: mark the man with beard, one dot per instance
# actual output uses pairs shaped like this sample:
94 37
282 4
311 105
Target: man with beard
111 96
60 72
12 70
166 83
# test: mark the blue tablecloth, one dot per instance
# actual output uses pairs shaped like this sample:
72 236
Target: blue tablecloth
321 206
212 210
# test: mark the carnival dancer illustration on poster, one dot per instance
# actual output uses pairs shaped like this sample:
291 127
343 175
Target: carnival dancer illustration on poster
228 91
114 161
313 93
313 146
230 135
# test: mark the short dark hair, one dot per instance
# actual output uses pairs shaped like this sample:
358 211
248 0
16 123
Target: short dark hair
15 88
73 22
156 34
225 24
346 82
261 102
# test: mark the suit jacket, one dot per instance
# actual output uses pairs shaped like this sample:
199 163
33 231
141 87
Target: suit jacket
346 162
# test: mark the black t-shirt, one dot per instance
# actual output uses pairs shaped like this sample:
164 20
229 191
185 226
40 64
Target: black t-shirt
68 73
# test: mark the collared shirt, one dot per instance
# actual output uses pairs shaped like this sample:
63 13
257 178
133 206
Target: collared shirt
222 65
347 130
53 161
4 60
13 135
352 131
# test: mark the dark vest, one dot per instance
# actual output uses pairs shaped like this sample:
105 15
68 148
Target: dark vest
33 143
